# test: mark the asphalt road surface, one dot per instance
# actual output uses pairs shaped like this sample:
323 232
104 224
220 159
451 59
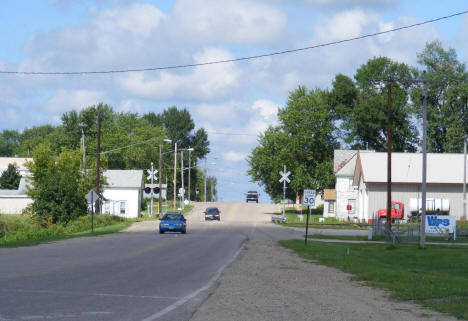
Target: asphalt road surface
133 275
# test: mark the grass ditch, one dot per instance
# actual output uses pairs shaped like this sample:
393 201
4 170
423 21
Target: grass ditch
434 277
26 230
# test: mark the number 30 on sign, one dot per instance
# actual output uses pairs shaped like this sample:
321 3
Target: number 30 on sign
309 197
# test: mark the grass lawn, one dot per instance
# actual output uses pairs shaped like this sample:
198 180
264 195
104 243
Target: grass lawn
382 238
293 220
435 277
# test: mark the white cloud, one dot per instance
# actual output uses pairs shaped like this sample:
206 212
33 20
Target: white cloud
268 109
200 83
234 156
228 21
65 100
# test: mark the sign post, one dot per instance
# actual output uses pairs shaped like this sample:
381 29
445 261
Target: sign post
308 199
284 178
91 197
152 175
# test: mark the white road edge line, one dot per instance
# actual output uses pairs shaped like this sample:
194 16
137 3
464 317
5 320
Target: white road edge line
195 293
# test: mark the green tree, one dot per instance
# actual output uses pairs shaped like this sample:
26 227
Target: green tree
10 178
58 186
303 141
361 106
9 143
447 96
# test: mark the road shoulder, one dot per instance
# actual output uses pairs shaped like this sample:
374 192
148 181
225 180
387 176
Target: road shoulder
269 282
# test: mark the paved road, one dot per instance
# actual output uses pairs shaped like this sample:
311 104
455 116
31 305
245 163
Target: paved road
134 275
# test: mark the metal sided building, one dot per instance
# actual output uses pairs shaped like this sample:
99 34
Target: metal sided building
444 180
123 192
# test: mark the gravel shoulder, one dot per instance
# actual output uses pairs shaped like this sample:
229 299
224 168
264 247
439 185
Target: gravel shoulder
269 282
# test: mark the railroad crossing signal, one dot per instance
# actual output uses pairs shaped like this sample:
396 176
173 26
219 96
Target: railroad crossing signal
152 174
284 176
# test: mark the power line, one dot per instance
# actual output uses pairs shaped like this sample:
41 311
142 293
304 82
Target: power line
277 53
230 134
127 146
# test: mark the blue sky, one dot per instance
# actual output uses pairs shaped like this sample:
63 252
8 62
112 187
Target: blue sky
235 98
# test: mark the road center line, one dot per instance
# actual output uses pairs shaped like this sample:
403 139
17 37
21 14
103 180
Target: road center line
232 211
195 293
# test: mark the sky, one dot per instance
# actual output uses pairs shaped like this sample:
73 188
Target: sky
235 101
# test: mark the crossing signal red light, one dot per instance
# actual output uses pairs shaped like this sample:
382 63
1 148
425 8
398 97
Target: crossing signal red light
156 190
147 190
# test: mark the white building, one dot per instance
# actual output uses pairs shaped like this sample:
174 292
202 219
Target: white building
19 162
444 180
341 202
123 192
14 201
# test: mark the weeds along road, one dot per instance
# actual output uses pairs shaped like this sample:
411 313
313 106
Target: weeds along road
133 275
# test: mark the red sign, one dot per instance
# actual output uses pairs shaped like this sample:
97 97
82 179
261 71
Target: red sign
349 207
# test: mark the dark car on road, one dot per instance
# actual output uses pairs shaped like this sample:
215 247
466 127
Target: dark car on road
173 222
252 196
212 213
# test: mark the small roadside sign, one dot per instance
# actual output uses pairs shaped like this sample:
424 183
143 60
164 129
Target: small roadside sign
309 197
92 196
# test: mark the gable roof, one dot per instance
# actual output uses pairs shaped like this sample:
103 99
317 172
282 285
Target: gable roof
407 168
116 178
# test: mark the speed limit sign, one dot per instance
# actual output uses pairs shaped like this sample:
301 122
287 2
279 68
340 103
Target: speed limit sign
309 197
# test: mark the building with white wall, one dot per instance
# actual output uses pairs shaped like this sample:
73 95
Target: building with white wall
444 180
14 201
19 162
123 192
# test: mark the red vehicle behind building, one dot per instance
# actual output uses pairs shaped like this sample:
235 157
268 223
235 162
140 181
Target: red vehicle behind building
396 214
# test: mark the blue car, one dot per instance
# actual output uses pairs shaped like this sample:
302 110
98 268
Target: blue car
173 222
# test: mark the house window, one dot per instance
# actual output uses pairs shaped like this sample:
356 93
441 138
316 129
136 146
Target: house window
123 206
331 207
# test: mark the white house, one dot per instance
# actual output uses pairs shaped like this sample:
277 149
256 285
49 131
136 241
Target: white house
15 201
19 162
123 192
341 201
444 180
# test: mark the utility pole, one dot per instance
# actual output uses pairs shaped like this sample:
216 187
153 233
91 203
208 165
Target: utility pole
182 177
204 194
422 232
464 178
175 177
152 192
189 167
98 163
389 160
160 180
83 145
211 192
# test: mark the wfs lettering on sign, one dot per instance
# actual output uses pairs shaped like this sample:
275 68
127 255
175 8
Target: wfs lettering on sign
435 221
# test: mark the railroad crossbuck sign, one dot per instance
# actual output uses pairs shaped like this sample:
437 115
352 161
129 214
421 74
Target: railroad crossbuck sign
309 197
284 176
152 174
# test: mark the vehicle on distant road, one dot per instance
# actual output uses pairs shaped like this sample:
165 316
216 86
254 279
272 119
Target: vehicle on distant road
212 213
252 196
173 222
